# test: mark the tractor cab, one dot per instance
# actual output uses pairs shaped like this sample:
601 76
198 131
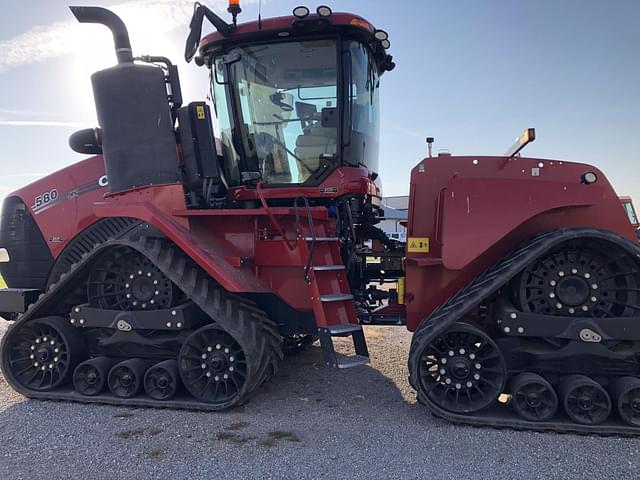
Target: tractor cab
295 98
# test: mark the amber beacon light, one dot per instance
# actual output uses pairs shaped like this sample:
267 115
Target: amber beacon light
234 9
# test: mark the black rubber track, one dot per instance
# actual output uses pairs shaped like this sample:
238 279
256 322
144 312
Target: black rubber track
479 290
252 329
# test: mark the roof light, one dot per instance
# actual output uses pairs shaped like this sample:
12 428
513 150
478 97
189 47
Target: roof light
234 9
301 12
380 35
589 178
358 22
386 44
324 11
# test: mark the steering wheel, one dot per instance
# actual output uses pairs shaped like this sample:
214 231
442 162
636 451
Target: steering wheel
277 99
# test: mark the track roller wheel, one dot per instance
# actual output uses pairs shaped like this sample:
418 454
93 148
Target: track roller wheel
297 343
90 377
533 398
626 396
460 371
41 354
161 380
125 378
585 401
213 366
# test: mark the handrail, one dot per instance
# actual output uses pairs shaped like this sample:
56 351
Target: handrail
272 218
312 230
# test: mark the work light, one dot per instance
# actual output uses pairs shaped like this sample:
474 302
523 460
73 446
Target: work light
301 12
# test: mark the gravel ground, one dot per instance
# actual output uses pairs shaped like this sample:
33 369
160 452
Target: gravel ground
309 422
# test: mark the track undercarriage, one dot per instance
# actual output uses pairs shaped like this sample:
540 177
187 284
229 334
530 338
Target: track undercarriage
556 336
138 339
558 341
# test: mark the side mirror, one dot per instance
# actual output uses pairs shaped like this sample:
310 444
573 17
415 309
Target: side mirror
87 141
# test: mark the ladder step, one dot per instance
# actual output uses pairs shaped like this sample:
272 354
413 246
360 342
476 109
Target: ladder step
326 268
331 358
354 361
336 297
342 329
322 239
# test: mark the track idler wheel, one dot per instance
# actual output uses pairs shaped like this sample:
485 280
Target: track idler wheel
626 397
462 370
126 378
161 380
41 354
213 366
90 377
585 401
533 398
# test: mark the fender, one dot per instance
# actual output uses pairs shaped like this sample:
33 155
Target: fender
478 213
153 206
473 211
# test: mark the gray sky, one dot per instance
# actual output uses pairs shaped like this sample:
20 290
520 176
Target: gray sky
472 73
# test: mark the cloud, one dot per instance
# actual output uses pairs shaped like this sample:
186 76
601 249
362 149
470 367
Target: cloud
62 38
40 123
18 113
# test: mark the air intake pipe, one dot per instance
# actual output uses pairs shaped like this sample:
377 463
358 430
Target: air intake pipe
132 104
112 22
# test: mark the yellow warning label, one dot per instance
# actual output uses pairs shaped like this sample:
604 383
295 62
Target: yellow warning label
200 112
418 245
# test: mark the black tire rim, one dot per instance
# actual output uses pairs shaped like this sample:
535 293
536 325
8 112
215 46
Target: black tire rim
628 401
124 381
127 280
90 377
533 398
213 366
42 354
586 278
586 402
160 381
462 370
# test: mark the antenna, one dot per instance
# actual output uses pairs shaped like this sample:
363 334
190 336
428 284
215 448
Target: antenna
260 15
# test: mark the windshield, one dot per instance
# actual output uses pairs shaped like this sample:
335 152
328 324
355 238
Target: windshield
286 100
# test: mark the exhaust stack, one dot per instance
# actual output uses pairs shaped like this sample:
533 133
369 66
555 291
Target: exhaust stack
112 22
137 141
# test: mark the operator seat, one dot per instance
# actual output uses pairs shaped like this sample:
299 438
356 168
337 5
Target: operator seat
314 141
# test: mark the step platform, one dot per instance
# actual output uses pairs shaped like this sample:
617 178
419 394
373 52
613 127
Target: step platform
335 360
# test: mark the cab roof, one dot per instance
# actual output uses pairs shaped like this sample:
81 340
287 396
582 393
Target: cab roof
281 28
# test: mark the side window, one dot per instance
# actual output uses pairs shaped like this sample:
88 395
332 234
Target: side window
222 127
364 97
631 212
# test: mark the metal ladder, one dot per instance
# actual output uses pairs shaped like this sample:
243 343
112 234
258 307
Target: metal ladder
332 301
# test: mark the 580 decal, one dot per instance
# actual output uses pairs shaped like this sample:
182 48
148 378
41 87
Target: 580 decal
45 199
50 198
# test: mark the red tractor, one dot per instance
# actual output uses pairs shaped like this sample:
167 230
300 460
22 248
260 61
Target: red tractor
176 265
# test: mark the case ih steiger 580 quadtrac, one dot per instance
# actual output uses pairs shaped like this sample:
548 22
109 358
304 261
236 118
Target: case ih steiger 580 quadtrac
175 266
